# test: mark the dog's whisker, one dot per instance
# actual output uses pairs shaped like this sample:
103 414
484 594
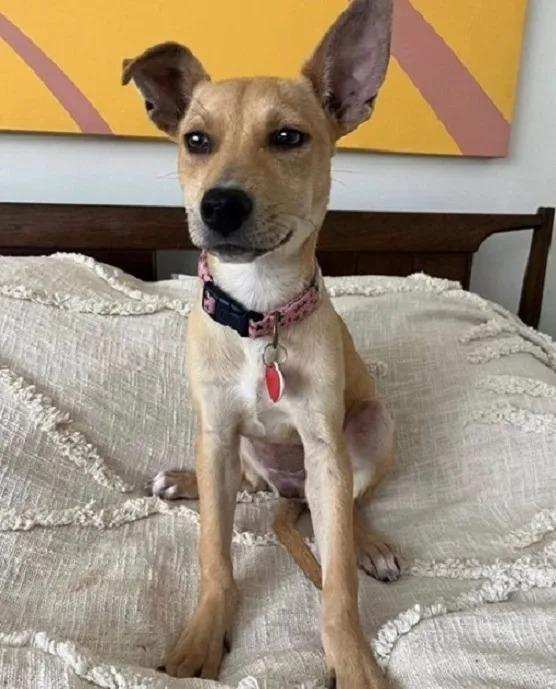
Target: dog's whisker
338 181
280 226
292 215
347 171
167 175
196 103
301 219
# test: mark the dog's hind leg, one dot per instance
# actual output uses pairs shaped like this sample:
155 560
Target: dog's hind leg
369 433
284 526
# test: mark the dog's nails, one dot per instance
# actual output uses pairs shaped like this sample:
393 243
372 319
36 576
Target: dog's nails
148 489
397 563
161 668
227 643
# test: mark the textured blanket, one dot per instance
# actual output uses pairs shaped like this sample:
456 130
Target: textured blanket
96 581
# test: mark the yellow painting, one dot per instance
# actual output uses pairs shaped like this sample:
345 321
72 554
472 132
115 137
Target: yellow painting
450 89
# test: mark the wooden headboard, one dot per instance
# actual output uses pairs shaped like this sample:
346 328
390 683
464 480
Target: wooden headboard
351 242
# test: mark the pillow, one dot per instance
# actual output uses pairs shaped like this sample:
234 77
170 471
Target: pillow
97 580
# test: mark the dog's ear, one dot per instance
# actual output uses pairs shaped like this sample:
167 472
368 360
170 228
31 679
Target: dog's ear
349 66
166 75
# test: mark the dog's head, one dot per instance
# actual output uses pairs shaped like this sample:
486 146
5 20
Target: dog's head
254 154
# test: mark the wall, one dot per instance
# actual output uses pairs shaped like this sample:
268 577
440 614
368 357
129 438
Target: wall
79 170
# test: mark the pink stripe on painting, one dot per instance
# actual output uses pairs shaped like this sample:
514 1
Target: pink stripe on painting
80 109
466 110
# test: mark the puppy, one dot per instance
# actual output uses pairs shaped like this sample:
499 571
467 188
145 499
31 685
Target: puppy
281 396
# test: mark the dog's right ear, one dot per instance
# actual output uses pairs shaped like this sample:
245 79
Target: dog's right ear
166 75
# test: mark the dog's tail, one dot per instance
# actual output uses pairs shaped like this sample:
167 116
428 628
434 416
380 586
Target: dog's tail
284 526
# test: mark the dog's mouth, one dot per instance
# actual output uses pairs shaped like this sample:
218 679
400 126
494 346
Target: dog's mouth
242 253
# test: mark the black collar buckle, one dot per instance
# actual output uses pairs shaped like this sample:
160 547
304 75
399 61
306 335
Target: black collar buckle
228 311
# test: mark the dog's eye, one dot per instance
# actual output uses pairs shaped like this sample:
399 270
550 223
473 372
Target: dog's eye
287 138
198 142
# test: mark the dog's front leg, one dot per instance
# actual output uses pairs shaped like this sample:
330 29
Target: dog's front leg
329 489
200 648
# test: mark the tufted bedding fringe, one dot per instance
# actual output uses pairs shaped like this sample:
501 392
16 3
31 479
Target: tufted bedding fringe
502 579
57 425
511 415
518 385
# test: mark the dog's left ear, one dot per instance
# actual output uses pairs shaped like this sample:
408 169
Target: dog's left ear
350 64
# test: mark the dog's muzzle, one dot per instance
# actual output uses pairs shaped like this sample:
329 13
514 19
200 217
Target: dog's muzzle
229 227
225 213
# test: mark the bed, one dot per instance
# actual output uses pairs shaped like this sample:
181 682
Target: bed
96 580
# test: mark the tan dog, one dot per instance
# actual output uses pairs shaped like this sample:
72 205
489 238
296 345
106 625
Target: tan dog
254 160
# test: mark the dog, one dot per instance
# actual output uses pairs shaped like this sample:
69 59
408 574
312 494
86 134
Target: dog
281 396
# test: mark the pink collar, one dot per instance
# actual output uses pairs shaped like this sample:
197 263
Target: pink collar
225 310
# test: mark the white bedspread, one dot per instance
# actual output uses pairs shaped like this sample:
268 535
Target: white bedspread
96 581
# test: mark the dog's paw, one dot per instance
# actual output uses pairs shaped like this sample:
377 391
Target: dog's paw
173 485
204 642
378 561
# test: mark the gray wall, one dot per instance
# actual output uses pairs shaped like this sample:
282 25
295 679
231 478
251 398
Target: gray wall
84 170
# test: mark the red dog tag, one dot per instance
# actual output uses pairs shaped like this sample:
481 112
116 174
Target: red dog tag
274 381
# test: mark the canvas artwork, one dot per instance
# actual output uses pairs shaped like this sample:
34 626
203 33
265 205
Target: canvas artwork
450 90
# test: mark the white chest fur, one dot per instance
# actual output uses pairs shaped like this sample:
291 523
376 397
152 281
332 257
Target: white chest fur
263 285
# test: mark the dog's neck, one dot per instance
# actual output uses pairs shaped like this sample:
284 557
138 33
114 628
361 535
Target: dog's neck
268 282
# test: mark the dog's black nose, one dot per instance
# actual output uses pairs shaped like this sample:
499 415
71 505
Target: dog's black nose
225 210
